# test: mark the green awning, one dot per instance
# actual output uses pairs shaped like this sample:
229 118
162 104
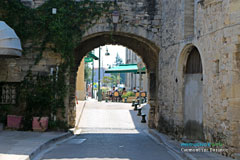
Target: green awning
92 56
126 68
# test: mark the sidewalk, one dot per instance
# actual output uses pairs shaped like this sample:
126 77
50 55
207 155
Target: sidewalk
174 145
20 145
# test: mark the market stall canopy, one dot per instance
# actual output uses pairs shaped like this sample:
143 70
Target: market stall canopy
10 44
90 54
126 68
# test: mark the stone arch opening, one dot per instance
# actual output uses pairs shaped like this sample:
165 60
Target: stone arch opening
194 63
144 48
192 93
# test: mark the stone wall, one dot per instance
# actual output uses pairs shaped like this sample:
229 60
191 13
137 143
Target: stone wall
162 33
216 36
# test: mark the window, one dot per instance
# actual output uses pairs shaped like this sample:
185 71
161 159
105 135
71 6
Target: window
8 93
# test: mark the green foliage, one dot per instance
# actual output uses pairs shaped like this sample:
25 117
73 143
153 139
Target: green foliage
87 72
4 109
129 94
40 30
57 125
43 95
107 80
115 78
104 90
118 60
63 30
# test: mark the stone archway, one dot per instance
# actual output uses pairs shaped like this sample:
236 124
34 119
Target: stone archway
144 48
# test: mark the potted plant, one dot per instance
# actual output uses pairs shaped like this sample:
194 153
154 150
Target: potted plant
40 124
124 98
14 122
130 96
38 92
11 117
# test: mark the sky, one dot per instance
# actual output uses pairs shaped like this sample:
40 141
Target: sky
109 60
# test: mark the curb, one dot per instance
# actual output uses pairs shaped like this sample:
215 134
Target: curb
184 155
160 137
47 144
162 140
74 130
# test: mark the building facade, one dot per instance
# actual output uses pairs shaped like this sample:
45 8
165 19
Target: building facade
80 83
133 80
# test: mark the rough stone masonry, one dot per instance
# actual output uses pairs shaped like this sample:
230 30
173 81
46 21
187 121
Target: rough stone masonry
171 36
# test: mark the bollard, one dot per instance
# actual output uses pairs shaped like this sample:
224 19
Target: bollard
135 106
133 103
106 100
138 101
139 111
143 118
125 100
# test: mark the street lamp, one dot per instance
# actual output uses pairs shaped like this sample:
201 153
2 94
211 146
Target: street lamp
99 65
99 70
107 53
115 17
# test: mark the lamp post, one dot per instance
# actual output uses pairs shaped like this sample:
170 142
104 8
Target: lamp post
140 66
92 78
107 53
99 70
99 73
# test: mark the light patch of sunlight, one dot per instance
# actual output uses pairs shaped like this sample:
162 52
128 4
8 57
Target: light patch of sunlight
91 159
13 157
106 118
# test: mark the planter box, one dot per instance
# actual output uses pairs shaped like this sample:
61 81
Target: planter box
40 125
130 99
14 121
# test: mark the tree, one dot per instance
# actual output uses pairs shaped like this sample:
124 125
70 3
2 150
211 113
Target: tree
87 73
120 78
115 78
118 60
107 80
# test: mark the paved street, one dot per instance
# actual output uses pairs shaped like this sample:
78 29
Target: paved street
110 131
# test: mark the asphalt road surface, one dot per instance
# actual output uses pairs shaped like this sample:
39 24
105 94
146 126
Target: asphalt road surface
110 131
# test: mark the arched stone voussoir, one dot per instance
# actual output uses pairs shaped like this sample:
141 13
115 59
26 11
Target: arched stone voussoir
136 30
144 48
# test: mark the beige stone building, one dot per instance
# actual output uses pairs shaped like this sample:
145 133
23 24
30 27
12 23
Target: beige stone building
133 80
191 51
80 83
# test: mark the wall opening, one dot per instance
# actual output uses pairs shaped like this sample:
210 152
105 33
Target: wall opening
188 18
144 48
192 98
194 63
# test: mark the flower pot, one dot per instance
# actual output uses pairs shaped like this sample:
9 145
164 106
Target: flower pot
40 124
14 121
